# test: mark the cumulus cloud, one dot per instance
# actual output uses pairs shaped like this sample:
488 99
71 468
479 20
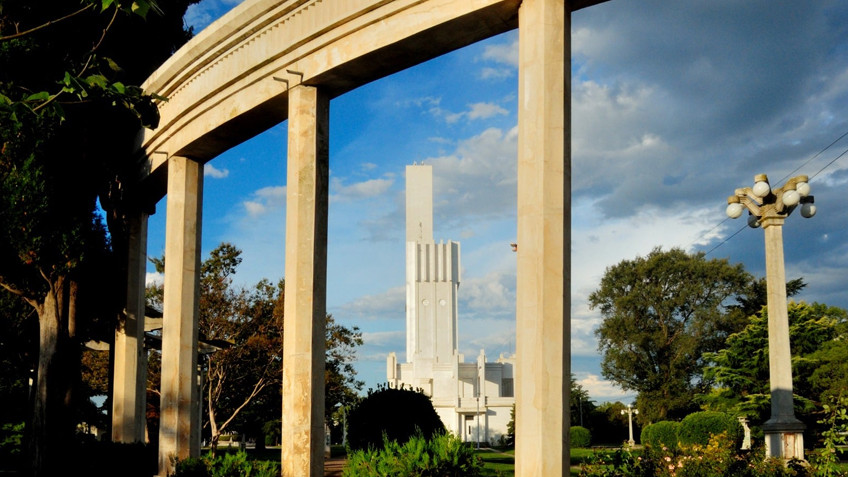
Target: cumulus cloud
477 111
339 192
154 279
211 171
265 200
389 304
601 390
503 53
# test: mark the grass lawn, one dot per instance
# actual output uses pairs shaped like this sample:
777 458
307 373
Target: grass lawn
502 464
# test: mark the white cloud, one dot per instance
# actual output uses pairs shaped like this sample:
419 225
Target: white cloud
391 303
496 73
503 53
360 190
264 200
601 390
199 15
477 111
213 172
154 278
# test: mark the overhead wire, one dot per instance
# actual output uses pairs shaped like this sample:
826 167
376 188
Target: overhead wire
781 180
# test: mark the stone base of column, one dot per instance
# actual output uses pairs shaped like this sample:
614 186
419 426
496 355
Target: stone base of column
784 439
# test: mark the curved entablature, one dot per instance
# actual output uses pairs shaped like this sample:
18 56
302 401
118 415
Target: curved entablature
230 82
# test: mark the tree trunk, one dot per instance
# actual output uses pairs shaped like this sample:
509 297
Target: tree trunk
47 417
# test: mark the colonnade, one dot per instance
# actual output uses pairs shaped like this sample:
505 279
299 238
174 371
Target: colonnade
543 282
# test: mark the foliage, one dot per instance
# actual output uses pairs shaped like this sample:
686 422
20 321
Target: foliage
661 313
393 414
699 427
661 434
621 462
581 403
510 427
580 436
243 376
608 425
741 369
18 348
442 455
11 451
226 465
69 116
826 459
720 457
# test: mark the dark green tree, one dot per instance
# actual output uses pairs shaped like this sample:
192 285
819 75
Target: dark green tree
397 414
661 313
581 404
69 116
740 371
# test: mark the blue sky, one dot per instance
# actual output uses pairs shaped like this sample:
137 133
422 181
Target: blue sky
674 105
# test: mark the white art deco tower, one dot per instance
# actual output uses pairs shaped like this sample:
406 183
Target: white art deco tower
473 399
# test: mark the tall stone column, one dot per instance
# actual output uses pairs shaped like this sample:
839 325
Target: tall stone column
544 239
784 433
130 365
180 310
306 283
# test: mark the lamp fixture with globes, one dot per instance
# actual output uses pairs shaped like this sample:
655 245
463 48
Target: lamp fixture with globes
768 208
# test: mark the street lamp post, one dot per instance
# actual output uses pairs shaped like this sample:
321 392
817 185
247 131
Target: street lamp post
768 208
630 412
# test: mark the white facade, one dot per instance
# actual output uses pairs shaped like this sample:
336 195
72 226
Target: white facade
474 400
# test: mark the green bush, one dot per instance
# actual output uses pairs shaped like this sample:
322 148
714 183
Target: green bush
580 437
660 434
698 427
226 465
396 413
444 455
719 458
11 446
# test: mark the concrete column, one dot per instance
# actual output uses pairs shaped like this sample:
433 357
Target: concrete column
784 434
130 366
306 283
544 239
179 332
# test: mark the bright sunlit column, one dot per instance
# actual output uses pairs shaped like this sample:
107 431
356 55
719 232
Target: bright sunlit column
767 208
543 320
306 283
180 312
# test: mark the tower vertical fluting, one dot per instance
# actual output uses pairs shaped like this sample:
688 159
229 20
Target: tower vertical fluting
432 277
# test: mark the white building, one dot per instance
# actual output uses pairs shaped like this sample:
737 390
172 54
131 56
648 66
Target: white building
474 400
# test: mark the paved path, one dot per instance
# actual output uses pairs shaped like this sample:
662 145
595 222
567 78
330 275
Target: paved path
333 467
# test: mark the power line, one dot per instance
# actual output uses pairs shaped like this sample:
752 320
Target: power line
781 180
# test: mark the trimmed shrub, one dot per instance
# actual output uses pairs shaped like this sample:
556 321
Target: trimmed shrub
698 427
398 414
444 455
226 465
660 434
580 436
